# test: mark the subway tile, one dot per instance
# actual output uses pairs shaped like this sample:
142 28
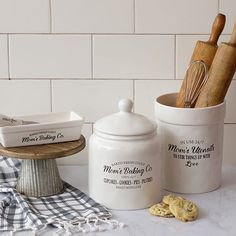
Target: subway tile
185 45
50 56
146 92
24 16
133 56
229 144
80 158
93 99
92 16
24 97
3 57
172 17
228 7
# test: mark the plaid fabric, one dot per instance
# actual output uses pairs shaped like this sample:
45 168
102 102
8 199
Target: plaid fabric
71 211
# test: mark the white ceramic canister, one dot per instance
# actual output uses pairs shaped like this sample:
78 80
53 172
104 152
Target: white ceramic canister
191 145
124 161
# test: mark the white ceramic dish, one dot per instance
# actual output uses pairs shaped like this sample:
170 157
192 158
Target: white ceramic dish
50 128
124 160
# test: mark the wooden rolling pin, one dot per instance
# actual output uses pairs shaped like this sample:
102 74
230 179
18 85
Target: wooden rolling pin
204 51
220 75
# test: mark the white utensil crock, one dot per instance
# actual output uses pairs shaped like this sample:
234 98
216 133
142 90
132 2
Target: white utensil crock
124 163
191 145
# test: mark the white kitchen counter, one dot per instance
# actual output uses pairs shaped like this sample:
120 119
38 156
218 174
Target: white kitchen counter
217 211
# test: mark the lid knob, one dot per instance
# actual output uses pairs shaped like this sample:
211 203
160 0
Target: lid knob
125 105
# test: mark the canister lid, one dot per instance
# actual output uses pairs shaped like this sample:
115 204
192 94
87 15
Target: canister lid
125 122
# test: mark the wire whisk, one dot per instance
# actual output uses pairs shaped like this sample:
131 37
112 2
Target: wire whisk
195 78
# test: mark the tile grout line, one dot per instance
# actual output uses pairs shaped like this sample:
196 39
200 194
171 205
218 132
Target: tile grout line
51 95
108 34
134 95
50 16
134 15
91 56
175 57
89 122
97 79
92 126
8 57
218 5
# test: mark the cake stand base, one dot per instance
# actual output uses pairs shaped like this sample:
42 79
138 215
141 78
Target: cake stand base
39 175
39 178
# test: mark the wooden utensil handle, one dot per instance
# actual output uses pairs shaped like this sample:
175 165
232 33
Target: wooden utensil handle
233 36
220 76
204 51
217 28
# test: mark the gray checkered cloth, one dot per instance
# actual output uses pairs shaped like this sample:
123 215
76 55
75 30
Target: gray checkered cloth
72 211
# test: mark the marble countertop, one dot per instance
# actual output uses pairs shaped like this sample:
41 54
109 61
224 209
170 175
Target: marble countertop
217 211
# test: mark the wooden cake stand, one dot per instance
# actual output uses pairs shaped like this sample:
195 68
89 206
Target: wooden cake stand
39 175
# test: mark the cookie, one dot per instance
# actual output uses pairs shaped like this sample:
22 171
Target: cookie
161 209
170 198
183 209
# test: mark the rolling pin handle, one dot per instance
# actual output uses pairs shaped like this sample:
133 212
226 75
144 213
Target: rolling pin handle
217 28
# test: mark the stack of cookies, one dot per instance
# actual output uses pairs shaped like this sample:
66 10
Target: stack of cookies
174 206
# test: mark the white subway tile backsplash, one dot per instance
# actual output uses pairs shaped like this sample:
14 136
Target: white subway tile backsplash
3 57
147 91
80 158
24 97
229 144
92 16
171 17
133 56
24 16
93 99
228 7
50 56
